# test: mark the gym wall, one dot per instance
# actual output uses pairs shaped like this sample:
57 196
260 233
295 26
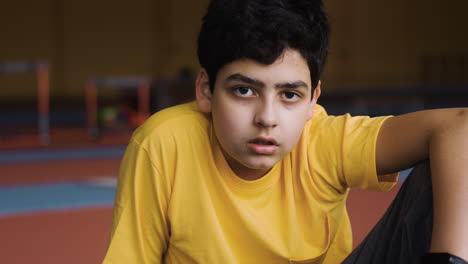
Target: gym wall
374 43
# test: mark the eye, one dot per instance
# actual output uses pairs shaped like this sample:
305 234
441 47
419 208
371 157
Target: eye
290 96
243 91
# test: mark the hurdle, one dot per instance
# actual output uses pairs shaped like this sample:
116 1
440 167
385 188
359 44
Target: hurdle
142 84
41 69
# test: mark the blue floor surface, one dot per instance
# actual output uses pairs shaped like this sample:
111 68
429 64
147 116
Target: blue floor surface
19 156
21 199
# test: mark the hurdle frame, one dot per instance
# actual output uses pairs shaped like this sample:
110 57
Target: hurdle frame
142 85
41 69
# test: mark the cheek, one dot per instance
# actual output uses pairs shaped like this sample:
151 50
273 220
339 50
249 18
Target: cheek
232 117
293 131
227 124
226 127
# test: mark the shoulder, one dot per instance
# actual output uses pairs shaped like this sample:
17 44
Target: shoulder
344 125
342 149
172 122
171 137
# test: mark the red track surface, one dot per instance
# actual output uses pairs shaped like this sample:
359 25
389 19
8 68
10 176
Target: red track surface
365 208
72 237
62 137
40 172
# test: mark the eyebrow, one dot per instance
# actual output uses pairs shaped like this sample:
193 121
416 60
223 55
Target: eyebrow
251 81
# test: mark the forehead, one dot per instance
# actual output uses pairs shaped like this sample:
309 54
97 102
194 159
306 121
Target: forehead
289 67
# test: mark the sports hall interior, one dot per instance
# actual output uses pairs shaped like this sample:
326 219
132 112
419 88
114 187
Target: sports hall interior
78 76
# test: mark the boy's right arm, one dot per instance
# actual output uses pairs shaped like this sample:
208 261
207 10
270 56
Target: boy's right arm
140 227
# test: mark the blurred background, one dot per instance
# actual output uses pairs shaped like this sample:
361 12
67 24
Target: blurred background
77 77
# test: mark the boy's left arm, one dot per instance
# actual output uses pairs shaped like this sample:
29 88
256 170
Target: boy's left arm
442 136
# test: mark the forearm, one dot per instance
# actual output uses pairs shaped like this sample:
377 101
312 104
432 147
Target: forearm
448 150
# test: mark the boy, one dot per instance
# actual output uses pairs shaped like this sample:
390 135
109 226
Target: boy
256 172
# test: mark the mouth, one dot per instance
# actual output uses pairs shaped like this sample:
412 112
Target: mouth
263 146
264 141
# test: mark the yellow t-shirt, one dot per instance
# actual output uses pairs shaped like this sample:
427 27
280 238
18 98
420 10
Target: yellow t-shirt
178 201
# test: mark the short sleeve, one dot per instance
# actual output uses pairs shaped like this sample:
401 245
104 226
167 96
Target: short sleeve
140 231
343 151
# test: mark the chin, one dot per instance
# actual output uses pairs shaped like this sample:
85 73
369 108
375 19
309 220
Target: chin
262 165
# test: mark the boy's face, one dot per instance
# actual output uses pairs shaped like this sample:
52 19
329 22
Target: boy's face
259 110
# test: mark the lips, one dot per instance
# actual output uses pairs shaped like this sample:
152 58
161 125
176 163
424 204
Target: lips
263 145
264 141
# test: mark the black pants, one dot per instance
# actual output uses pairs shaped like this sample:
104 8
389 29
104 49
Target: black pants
404 232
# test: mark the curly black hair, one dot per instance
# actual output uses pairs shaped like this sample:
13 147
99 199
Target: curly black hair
261 30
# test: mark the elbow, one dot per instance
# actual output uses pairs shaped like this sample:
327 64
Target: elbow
461 120
455 122
462 113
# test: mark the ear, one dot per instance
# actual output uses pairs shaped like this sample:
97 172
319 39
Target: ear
203 92
317 92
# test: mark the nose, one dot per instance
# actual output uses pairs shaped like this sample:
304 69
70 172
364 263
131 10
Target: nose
266 115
